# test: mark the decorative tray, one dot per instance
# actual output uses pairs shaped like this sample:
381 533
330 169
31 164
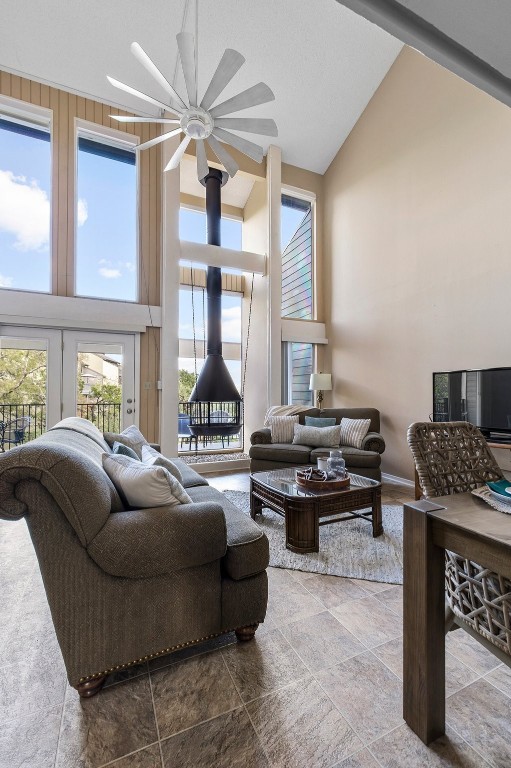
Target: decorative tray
316 480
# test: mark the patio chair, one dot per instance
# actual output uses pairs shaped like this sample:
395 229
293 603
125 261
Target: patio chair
13 432
453 457
222 417
183 431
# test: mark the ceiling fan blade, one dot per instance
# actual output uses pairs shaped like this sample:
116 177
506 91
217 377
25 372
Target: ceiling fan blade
139 53
186 45
229 163
140 95
229 64
178 154
250 124
162 120
158 139
247 147
257 94
202 160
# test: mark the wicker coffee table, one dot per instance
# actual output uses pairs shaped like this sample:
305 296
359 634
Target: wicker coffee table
304 510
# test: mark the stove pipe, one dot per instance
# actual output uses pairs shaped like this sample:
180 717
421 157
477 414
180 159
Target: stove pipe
214 383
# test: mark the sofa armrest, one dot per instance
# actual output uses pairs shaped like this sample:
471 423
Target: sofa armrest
161 540
373 441
261 437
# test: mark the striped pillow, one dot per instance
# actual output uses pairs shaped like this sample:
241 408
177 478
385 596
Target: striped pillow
353 431
282 428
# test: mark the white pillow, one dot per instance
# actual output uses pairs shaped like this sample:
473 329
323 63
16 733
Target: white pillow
318 437
281 428
353 431
143 486
151 458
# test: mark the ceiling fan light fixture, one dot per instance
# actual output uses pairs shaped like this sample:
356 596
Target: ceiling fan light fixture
196 123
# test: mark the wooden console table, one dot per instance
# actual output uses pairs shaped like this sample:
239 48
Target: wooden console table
462 524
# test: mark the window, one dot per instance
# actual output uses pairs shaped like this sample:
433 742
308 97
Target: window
25 194
193 227
106 219
296 247
231 335
297 365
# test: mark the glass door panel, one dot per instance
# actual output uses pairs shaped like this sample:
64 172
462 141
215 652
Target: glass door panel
99 378
30 380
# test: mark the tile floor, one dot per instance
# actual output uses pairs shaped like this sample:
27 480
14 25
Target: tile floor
319 687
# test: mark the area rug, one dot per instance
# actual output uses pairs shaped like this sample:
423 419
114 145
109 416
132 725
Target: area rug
345 549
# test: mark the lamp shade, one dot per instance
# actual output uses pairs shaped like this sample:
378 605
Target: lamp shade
320 381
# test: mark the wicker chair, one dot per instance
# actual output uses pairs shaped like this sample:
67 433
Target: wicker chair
453 457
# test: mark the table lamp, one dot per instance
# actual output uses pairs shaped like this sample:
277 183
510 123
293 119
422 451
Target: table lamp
320 382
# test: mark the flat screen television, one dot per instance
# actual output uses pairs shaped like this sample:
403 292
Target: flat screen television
482 397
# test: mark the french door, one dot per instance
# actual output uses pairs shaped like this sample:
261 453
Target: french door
48 374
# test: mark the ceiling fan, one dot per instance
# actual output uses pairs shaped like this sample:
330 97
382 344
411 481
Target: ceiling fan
202 121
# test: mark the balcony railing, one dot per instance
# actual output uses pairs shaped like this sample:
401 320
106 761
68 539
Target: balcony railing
202 417
22 423
105 416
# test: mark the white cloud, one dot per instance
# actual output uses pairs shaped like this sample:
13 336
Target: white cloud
24 212
5 282
82 211
231 324
109 273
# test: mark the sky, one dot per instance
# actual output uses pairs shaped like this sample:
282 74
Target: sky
24 212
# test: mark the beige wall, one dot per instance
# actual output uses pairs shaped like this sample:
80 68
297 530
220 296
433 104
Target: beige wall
417 241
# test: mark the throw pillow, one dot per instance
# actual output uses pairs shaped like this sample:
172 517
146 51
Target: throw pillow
319 421
131 436
318 437
124 450
152 458
353 431
281 428
142 486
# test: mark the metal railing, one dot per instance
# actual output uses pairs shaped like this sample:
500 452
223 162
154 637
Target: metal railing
203 417
105 416
23 422
20 423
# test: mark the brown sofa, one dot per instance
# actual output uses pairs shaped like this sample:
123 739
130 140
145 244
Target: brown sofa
265 455
127 586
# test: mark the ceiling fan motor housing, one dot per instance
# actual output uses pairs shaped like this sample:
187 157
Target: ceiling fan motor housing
197 123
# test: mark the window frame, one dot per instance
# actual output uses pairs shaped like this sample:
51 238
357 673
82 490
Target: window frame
309 197
287 369
84 129
23 112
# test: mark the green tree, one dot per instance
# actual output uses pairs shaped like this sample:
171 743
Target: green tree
186 384
22 376
106 393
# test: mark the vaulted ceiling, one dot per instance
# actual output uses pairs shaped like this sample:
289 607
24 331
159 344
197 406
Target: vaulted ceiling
322 61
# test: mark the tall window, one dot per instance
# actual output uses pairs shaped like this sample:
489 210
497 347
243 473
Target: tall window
193 313
25 165
297 258
106 220
297 361
193 227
